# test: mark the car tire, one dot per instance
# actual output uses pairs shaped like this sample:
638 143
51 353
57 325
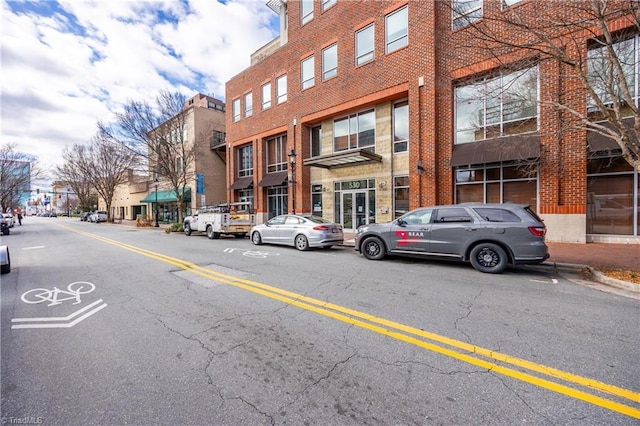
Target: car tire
256 239
210 232
373 248
5 269
489 258
301 242
187 229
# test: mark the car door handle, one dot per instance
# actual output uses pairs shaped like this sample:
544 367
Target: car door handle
470 229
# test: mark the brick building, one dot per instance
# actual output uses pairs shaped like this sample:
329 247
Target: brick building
360 111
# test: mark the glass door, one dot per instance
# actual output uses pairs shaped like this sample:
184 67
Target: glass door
354 210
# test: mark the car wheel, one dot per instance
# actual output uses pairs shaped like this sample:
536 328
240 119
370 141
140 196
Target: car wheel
301 242
373 248
210 232
187 229
256 239
489 258
5 269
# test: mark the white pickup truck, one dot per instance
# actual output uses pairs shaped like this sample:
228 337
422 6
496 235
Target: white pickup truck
231 219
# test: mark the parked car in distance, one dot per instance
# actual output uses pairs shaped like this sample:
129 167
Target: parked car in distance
489 236
297 230
99 216
9 219
85 216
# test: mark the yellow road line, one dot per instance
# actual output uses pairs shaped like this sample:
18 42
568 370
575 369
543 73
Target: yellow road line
358 319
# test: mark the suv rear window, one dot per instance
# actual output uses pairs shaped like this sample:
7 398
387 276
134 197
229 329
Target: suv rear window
497 215
533 214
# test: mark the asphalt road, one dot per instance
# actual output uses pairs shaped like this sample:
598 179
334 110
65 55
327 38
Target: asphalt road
167 329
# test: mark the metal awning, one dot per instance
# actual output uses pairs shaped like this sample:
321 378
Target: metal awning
343 159
242 183
273 179
166 196
510 148
598 142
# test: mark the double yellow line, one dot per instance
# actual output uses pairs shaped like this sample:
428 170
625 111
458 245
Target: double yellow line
471 354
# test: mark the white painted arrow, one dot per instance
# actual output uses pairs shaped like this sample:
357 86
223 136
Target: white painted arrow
60 320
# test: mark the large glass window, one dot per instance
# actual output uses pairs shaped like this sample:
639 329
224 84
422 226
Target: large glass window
266 96
613 197
397 30
246 196
248 104
365 44
236 110
330 62
400 195
245 161
496 107
495 183
277 200
307 73
355 131
316 199
276 154
606 80
465 12
281 89
306 11
326 4
400 126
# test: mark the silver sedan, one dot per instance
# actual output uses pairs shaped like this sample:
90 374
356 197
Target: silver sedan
299 231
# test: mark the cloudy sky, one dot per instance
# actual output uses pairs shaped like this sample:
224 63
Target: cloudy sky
66 65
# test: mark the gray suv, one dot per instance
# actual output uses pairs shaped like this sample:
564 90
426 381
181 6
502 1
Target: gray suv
490 236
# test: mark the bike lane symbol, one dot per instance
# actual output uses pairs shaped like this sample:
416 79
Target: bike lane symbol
55 297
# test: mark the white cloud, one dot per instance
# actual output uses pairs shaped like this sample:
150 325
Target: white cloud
64 71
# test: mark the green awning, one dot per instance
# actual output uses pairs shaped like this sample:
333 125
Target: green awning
166 196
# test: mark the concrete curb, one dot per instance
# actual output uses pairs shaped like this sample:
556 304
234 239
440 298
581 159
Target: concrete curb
597 275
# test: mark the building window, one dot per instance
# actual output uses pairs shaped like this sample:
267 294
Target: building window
306 11
330 62
400 195
496 183
236 110
266 96
315 136
613 197
400 126
316 200
508 3
465 12
355 131
281 89
308 72
606 80
277 154
277 200
397 27
365 45
496 107
245 161
248 104
326 4
246 196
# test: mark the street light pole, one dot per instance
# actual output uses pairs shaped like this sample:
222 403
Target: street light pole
292 161
156 224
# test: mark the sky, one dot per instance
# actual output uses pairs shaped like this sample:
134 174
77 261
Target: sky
65 65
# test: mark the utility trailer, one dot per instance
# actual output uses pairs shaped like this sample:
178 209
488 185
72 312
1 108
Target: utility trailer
223 219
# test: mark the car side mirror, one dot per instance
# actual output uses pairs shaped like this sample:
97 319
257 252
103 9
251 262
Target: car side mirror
401 222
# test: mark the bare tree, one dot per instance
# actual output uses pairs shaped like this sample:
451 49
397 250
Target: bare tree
69 173
17 172
158 135
561 31
104 164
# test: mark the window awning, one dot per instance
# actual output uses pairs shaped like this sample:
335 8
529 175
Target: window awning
166 196
521 147
597 142
343 159
242 183
272 179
